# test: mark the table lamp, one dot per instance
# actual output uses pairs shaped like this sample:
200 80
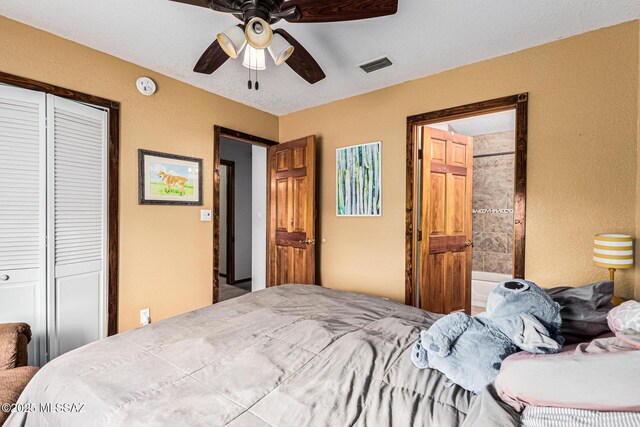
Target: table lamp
613 251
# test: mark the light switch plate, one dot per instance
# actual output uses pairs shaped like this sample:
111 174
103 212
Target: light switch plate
205 215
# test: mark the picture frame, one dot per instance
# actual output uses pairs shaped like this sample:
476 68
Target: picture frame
169 179
359 180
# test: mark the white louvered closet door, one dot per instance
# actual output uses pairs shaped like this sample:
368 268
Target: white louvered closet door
77 224
22 213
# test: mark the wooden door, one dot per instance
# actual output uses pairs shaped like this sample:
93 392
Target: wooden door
446 218
292 209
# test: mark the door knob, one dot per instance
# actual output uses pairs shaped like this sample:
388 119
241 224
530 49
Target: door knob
469 243
308 241
4 277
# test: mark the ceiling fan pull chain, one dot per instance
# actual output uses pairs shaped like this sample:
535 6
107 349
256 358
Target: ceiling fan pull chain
249 83
256 66
257 85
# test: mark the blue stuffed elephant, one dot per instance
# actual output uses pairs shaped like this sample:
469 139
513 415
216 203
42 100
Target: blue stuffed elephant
470 350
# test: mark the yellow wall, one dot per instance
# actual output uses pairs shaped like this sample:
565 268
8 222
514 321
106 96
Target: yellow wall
166 252
637 270
582 162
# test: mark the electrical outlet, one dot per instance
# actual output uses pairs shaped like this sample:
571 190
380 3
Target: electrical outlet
145 317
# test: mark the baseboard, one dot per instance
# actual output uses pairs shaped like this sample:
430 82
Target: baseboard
242 281
222 275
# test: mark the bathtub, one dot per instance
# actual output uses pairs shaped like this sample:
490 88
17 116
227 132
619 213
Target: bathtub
483 282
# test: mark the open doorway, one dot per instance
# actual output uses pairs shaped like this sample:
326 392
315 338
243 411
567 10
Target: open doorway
240 217
468 176
491 142
227 222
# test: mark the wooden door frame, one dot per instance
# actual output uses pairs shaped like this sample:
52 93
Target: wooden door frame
519 103
219 132
231 222
113 170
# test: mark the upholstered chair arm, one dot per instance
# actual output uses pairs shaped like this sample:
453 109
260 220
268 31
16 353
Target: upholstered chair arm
14 338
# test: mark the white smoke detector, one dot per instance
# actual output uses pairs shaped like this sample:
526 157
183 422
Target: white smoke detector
146 86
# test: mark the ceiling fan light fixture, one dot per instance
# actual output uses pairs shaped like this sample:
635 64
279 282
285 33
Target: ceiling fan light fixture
254 59
232 41
258 33
280 49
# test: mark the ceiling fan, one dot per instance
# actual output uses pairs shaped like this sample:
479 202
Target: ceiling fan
255 32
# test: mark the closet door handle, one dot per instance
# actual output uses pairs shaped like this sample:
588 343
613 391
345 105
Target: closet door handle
4 277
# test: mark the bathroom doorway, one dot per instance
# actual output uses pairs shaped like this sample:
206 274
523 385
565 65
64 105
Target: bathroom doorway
465 229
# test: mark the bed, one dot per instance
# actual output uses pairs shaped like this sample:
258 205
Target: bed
287 356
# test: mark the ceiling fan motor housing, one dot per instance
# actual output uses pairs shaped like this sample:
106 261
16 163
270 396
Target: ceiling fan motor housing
269 10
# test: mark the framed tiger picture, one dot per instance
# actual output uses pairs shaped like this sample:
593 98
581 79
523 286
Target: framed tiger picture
169 179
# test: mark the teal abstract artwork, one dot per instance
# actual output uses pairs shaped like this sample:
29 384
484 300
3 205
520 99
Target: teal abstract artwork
359 180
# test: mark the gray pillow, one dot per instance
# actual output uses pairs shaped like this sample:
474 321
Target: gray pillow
584 310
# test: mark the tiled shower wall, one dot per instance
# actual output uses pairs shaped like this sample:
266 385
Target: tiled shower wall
493 183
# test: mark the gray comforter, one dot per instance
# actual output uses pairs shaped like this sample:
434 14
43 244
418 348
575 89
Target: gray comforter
287 356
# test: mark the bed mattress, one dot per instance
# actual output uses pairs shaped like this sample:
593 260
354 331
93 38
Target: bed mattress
287 356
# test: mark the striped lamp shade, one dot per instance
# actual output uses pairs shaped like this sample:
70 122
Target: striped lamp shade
613 251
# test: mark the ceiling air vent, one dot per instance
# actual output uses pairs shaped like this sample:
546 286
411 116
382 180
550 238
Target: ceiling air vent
376 65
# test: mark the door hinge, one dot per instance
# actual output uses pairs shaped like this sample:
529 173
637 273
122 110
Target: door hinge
419 235
420 154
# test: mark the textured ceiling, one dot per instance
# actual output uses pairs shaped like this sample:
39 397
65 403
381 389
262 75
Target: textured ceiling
484 124
424 37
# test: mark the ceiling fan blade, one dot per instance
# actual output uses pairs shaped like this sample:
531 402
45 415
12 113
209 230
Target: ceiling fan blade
201 3
339 10
301 61
211 59
217 5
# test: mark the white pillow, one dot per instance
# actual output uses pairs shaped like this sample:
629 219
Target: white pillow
602 375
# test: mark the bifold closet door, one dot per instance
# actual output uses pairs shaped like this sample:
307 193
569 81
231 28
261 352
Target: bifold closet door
76 155
22 214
